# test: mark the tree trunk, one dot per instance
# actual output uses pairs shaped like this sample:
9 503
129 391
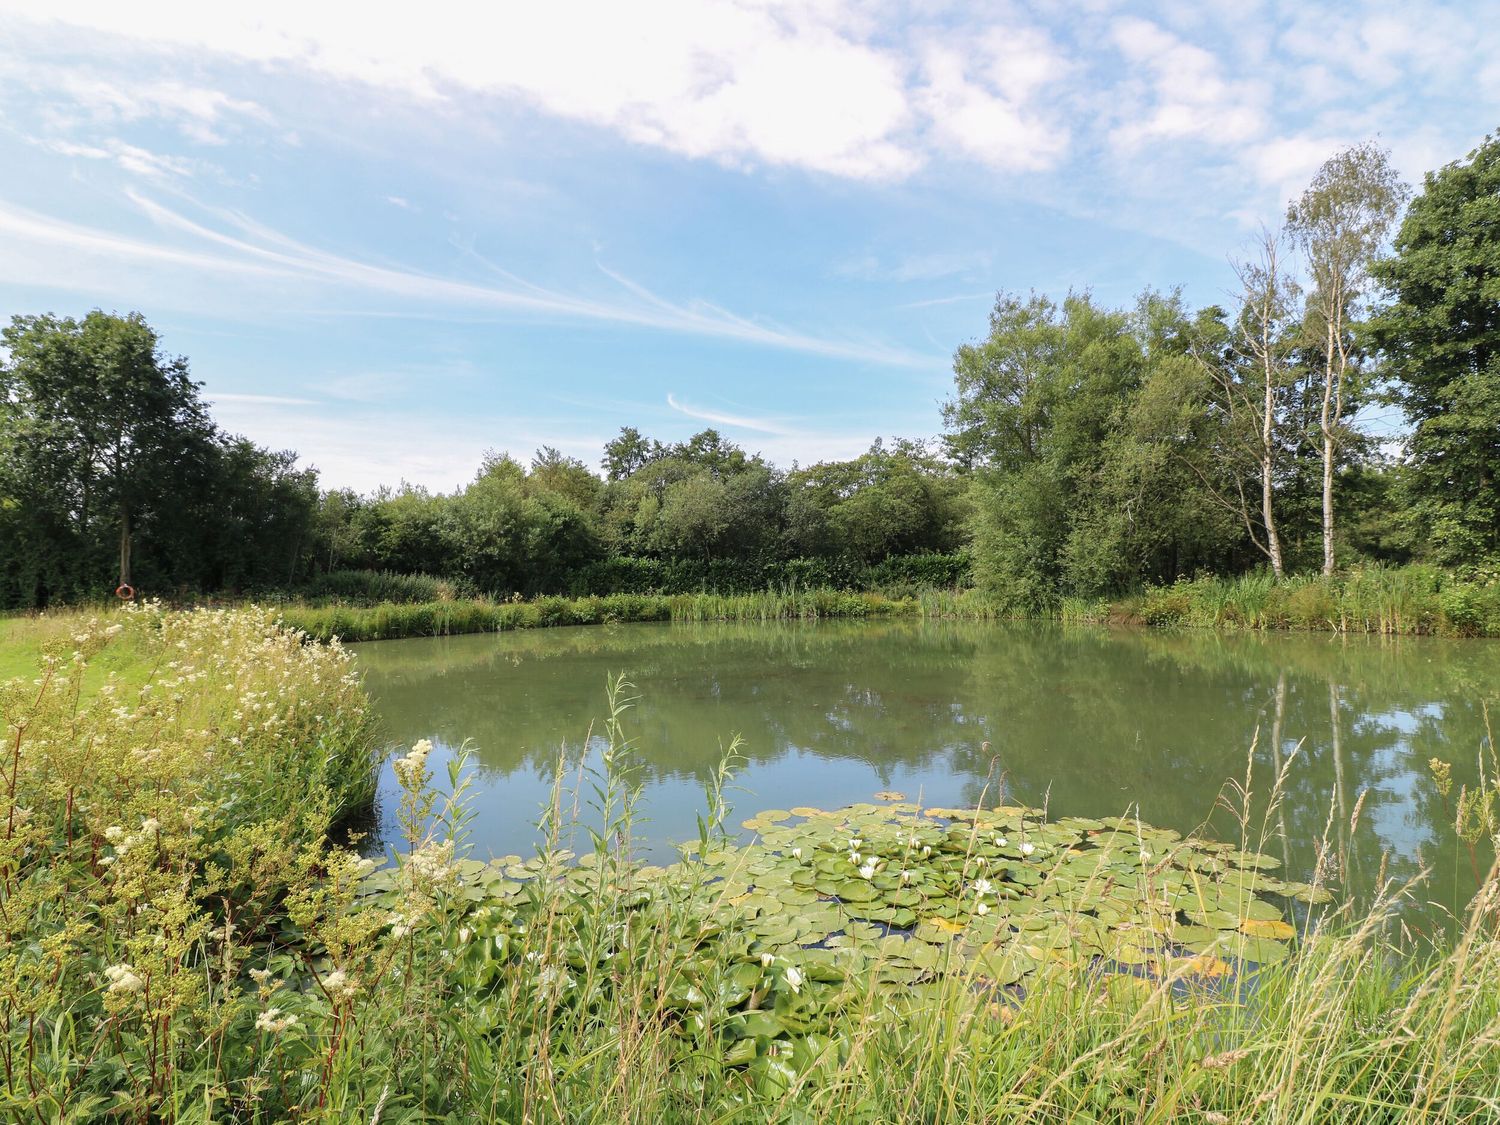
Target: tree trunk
1326 421
1273 540
124 545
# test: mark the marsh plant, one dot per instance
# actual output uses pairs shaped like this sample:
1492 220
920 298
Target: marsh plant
182 941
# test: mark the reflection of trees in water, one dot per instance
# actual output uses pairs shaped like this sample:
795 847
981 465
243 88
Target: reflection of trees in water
1092 721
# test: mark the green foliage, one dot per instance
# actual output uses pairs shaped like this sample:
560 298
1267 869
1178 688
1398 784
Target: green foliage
1440 335
108 461
176 952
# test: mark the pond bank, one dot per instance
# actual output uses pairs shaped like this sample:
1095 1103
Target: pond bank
181 941
1406 601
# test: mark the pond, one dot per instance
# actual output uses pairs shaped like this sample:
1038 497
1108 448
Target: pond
1085 722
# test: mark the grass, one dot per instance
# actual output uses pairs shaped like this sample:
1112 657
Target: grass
1383 600
181 942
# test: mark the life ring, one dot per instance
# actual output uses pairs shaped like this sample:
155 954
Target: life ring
125 592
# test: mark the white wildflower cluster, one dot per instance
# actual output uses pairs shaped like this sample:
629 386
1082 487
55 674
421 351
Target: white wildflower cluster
433 862
339 986
275 1021
411 768
122 842
123 979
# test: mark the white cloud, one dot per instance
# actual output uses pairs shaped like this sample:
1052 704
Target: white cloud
131 158
738 421
1190 97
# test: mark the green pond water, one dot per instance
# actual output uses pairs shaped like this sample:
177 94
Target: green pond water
1084 722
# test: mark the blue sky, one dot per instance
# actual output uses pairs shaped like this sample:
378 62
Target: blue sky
394 236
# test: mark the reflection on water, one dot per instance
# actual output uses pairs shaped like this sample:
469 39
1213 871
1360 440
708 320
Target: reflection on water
1087 722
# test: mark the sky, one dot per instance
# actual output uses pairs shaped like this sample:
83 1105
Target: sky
392 237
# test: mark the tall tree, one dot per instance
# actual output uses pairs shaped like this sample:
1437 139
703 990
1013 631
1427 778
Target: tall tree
1440 337
1248 379
1340 223
102 421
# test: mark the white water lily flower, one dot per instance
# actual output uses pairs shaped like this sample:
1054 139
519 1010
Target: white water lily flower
794 978
981 907
868 870
906 876
1028 849
767 960
982 887
796 853
855 858
1001 842
926 851
1145 856
855 842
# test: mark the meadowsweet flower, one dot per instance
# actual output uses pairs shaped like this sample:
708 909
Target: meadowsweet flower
114 833
113 630
794 978
410 767
260 976
123 978
338 985
150 826
274 1020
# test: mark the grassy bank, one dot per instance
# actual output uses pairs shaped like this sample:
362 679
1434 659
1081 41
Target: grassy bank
180 942
1407 600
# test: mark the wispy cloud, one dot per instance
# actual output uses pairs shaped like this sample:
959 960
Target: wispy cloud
739 421
262 400
242 247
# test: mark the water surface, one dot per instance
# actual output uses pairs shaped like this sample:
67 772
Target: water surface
1083 721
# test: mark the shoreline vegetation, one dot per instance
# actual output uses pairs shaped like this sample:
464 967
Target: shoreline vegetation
1411 600
183 941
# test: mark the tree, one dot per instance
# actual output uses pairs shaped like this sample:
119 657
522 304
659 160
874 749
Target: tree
101 425
1340 222
1248 378
1440 338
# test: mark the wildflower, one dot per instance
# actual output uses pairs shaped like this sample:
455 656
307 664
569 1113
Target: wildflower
410 768
1028 848
868 870
114 833
274 1020
1145 856
123 978
794 978
338 985
982 887
260 976
150 826
113 630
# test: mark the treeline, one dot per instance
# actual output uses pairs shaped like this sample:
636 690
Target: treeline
1088 451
